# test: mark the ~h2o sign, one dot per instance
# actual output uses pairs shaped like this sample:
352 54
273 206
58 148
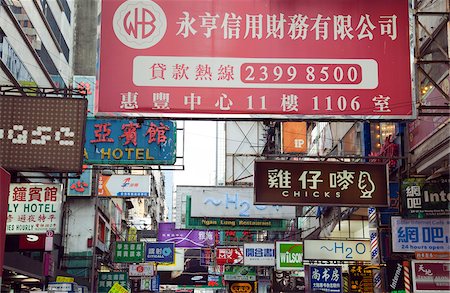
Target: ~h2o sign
348 250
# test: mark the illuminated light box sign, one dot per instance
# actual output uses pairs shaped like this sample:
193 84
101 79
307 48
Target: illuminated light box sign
33 140
124 185
239 273
232 223
128 142
229 255
141 270
265 58
326 279
186 238
259 254
425 199
231 202
107 280
80 186
430 276
178 262
360 278
344 250
160 252
289 256
86 85
413 235
324 183
34 208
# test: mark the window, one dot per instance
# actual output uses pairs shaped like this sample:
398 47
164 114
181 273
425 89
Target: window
66 9
55 28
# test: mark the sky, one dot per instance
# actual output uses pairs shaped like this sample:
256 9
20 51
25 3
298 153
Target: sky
199 154
199 158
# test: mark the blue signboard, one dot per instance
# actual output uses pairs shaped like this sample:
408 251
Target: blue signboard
326 279
160 252
81 186
394 205
154 284
129 142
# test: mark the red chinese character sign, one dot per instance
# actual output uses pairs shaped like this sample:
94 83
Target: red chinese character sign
249 59
81 186
34 208
5 179
232 255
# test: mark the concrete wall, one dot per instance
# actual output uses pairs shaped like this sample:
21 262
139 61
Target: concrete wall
80 224
85 38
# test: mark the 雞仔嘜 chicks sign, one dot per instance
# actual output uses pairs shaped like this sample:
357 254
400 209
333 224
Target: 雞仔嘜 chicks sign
321 183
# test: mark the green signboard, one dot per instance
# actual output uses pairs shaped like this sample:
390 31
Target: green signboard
289 256
129 251
232 224
107 280
239 273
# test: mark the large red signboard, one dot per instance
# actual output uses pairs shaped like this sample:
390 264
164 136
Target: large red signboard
250 59
5 179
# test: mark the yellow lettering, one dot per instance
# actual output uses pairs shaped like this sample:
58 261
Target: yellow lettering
117 154
86 156
147 155
108 153
129 151
139 154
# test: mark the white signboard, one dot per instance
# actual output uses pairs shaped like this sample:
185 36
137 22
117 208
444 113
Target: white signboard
62 287
141 270
343 250
34 208
124 185
231 202
427 235
177 265
259 254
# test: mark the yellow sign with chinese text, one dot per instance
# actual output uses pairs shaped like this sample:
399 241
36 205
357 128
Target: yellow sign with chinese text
61 279
117 288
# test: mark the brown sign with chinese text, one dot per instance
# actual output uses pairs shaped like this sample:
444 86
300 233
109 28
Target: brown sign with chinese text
324 183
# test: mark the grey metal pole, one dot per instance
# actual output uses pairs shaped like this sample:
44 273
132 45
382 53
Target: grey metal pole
95 232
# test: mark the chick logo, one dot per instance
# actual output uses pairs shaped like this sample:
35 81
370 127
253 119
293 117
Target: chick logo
366 184
139 24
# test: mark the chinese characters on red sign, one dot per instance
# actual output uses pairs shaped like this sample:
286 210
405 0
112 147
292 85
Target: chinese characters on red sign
269 57
229 255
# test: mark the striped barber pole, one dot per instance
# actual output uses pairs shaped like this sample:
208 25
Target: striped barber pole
377 279
407 276
372 214
375 251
